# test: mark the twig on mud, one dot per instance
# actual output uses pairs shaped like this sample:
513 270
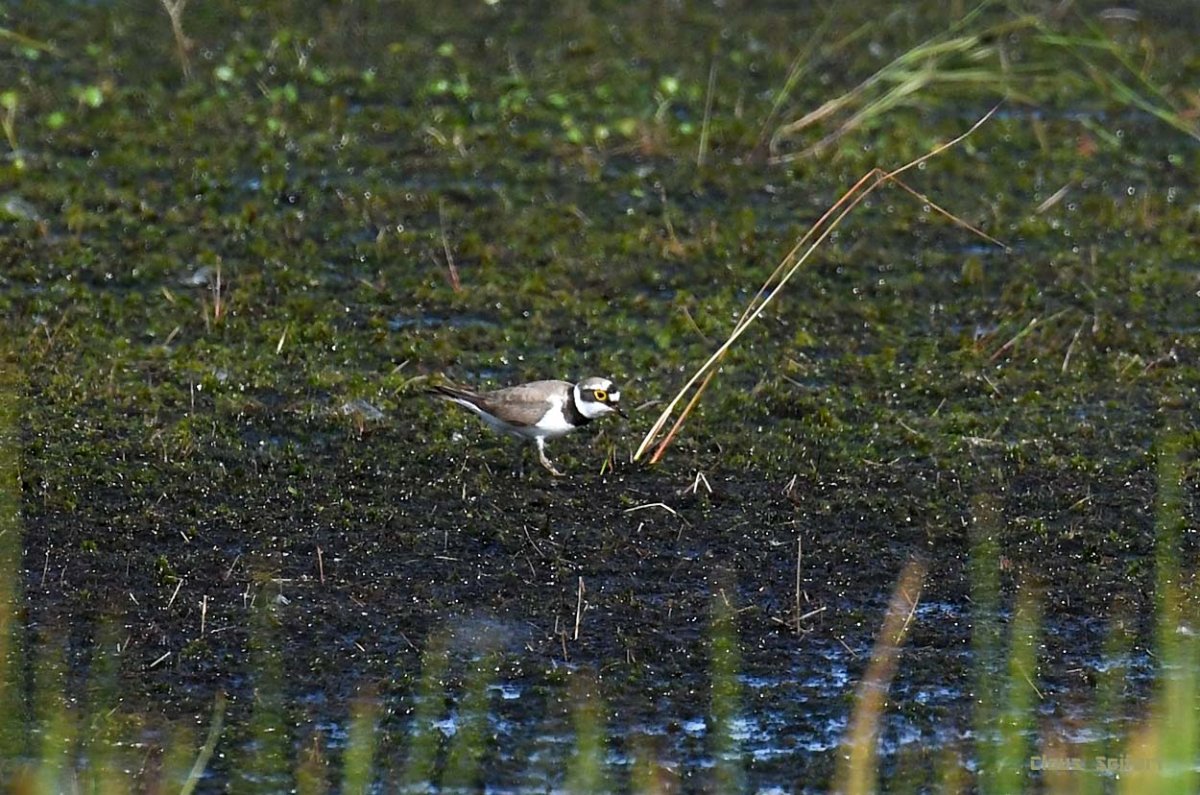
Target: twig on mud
578 608
799 561
696 481
708 102
1020 335
662 505
1170 357
1023 333
175 593
450 266
1053 199
787 268
532 543
913 601
1071 346
811 613
909 428
1032 686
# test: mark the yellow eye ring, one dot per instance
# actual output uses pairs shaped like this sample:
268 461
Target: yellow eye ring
600 395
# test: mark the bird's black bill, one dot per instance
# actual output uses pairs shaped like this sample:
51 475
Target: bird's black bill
620 411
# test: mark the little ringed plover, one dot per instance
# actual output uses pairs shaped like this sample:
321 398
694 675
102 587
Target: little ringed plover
539 410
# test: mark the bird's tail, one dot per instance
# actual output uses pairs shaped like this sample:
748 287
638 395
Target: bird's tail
447 392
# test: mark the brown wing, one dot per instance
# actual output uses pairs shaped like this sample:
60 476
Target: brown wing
521 405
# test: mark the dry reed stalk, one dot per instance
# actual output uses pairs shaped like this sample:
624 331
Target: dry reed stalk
857 760
662 448
183 44
789 265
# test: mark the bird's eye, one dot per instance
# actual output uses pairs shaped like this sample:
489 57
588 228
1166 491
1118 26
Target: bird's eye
600 395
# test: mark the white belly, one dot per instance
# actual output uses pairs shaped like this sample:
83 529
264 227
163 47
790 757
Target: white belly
553 424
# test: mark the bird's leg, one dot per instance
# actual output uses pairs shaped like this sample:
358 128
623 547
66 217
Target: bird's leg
541 446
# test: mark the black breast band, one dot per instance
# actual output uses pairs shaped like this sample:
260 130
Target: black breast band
571 410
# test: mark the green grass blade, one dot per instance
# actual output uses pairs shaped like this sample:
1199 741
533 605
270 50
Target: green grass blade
13 734
359 756
57 724
424 737
1177 707
1016 722
263 765
984 574
586 768
726 697
210 744
468 745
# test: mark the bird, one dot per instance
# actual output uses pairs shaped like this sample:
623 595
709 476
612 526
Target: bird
539 410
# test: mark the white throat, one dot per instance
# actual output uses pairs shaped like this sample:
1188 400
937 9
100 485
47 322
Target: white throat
588 408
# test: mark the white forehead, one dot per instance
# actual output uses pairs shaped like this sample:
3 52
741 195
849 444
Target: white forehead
597 383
